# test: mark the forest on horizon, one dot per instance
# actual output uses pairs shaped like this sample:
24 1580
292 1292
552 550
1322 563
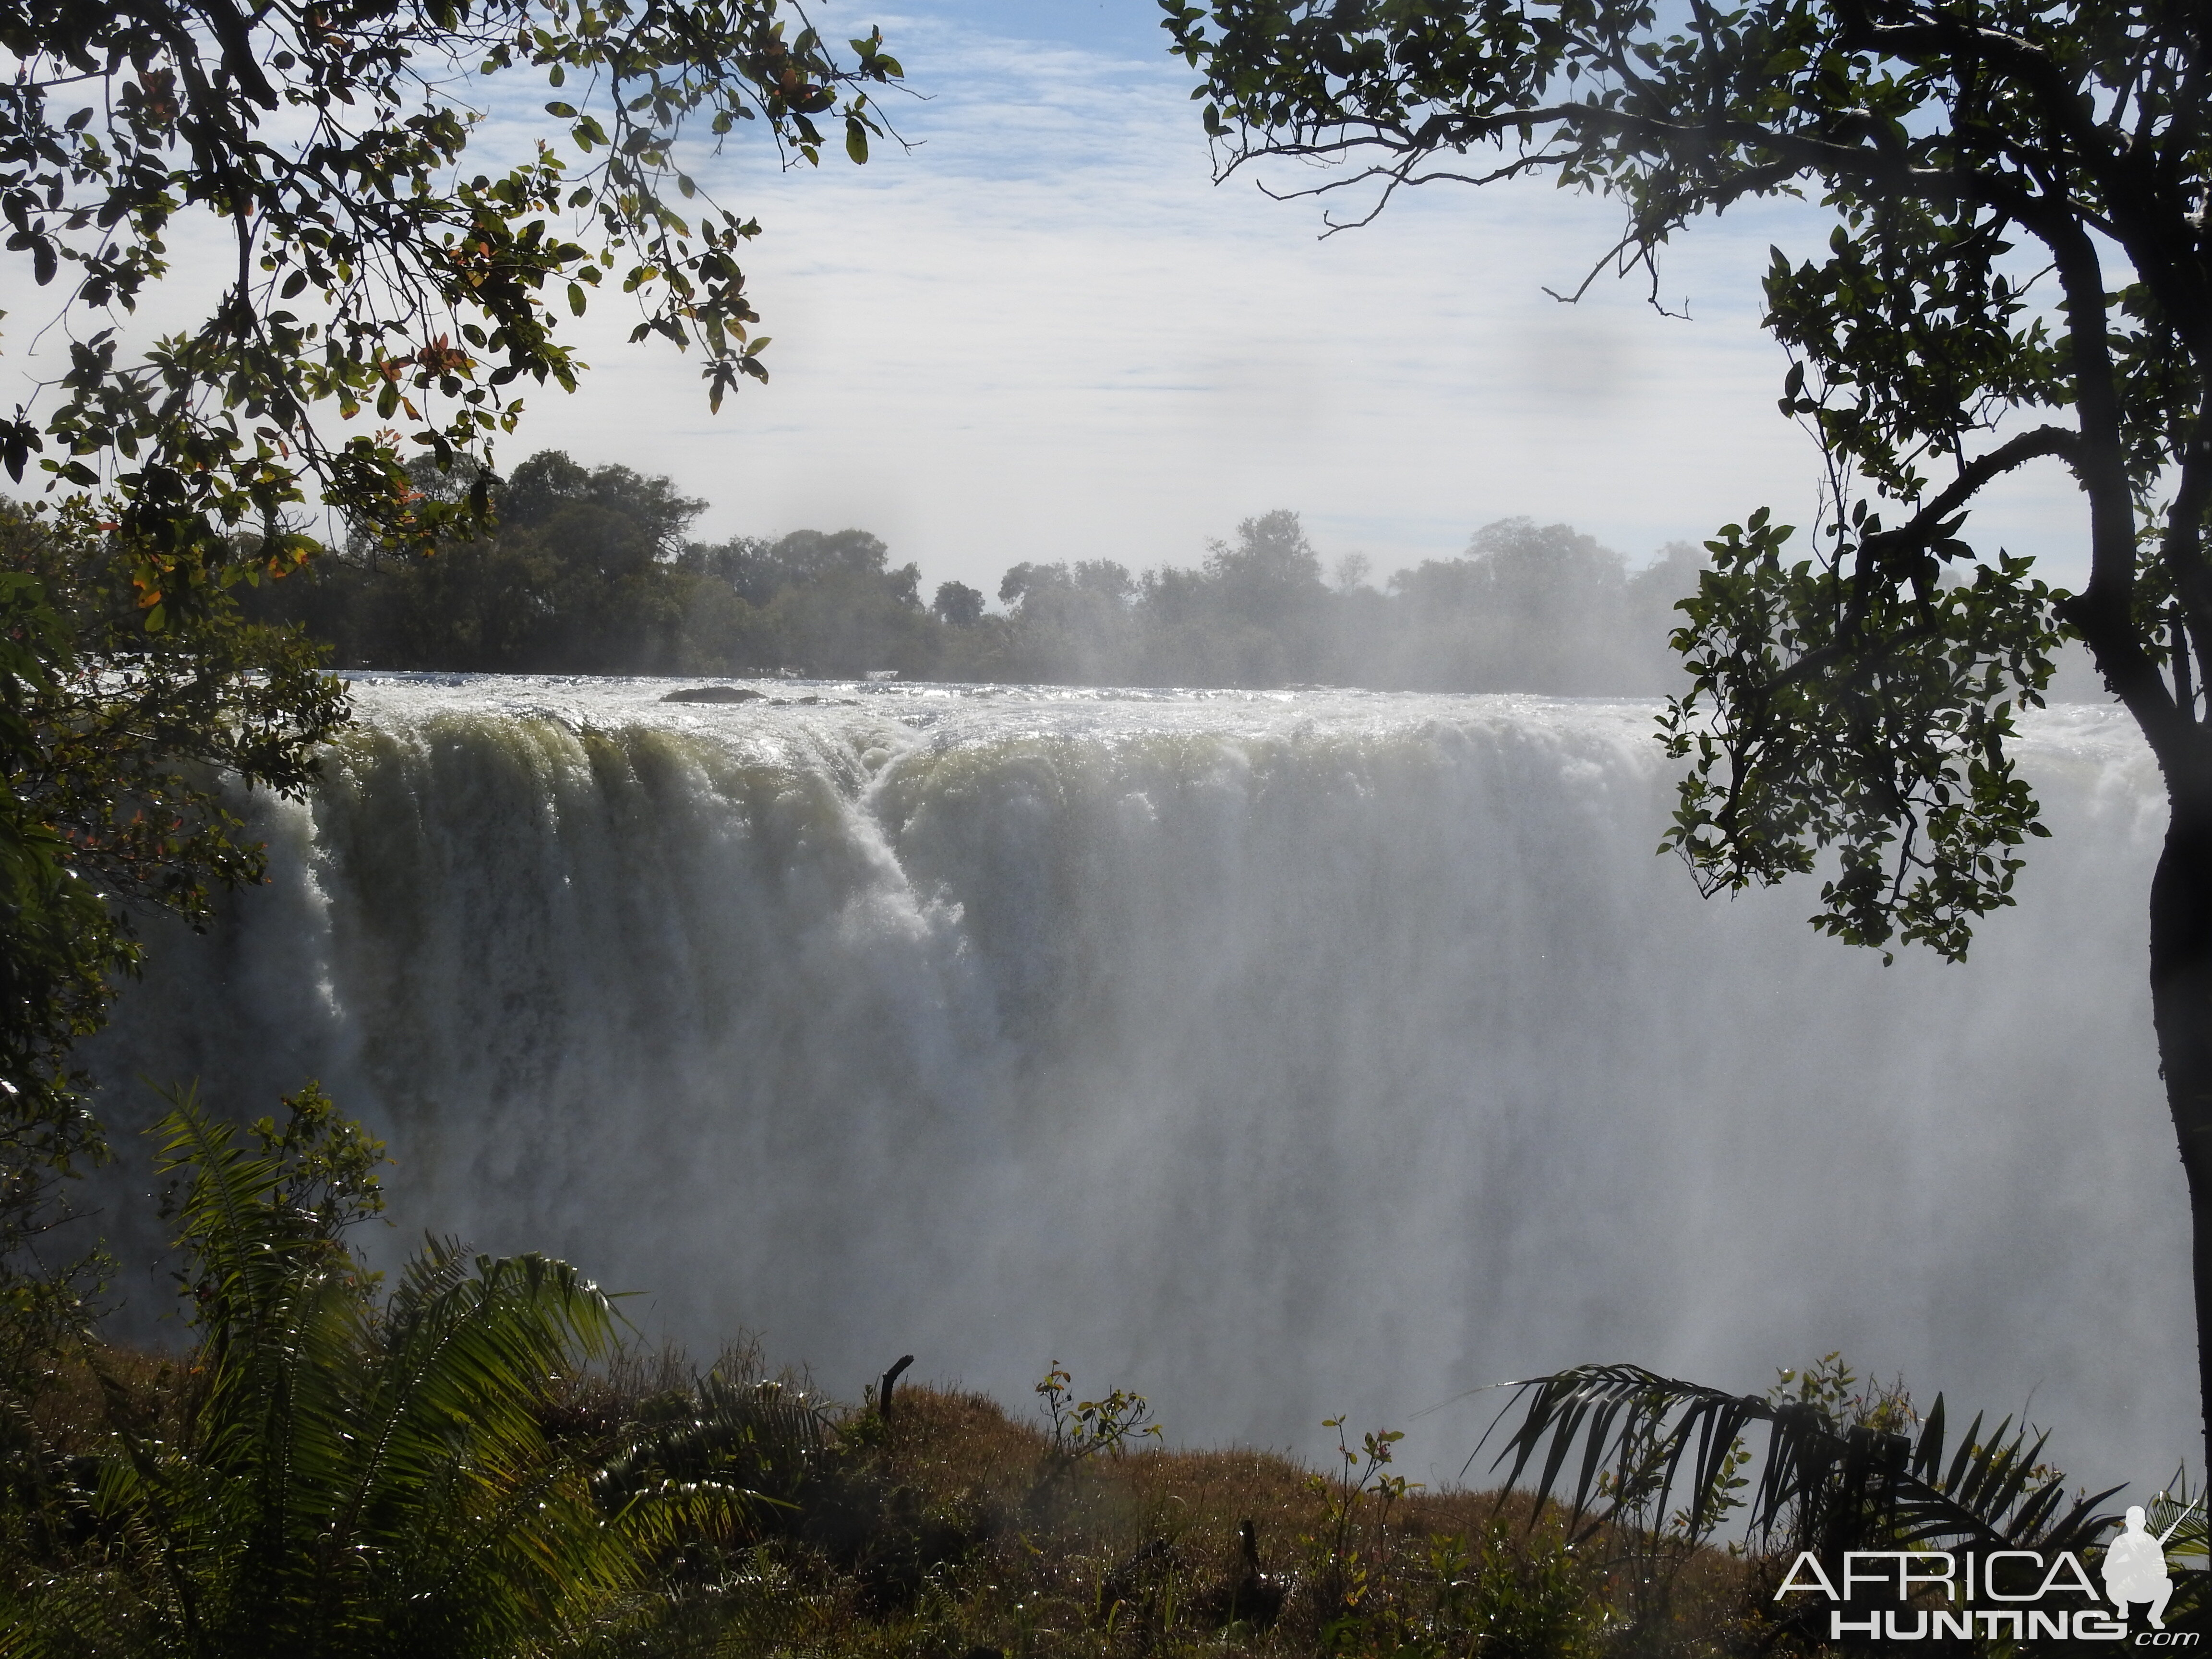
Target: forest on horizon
592 570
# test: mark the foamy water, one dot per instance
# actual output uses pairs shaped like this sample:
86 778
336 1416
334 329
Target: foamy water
1278 1055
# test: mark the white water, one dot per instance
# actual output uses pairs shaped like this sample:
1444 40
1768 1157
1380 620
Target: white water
1276 1054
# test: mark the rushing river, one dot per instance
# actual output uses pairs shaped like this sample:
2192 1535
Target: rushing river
1278 1055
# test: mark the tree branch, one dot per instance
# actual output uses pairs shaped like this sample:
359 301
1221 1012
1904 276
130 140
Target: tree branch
1922 528
1877 552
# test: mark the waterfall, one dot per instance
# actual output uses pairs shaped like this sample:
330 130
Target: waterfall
1276 1054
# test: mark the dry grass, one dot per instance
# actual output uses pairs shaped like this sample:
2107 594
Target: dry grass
76 1398
957 1533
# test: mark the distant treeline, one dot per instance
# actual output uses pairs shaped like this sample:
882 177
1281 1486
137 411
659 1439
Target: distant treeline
591 572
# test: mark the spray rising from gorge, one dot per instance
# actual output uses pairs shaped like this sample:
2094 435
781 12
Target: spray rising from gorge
1279 1053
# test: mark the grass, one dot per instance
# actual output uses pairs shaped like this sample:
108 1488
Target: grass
953 1529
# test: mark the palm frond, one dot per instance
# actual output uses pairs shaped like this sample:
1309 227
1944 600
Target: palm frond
1644 1437
762 1438
381 1482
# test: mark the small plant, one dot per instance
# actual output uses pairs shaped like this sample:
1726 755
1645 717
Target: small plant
1844 1468
1831 1387
1647 1547
1081 1429
1529 1598
1348 1548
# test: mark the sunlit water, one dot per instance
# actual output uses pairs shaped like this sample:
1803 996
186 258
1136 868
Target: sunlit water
1277 1054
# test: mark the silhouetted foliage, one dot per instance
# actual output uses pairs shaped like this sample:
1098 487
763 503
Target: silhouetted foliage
337 1475
957 605
576 579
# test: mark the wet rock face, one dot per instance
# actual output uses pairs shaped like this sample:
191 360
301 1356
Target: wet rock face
715 694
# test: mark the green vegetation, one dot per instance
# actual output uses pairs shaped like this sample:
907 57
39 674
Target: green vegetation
476 1464
588 571
1840 1470
116 742
327 1472
2019 270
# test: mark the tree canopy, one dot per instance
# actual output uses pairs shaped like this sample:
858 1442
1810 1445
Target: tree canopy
2018 269
375 274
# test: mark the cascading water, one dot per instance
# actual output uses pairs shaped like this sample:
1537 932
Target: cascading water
1277 1054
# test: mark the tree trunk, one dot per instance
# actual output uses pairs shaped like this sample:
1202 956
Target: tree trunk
2181 1007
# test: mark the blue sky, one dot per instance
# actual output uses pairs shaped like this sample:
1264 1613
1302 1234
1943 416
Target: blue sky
1043 332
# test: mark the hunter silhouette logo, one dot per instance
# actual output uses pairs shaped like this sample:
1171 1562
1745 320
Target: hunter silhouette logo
2135 1566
